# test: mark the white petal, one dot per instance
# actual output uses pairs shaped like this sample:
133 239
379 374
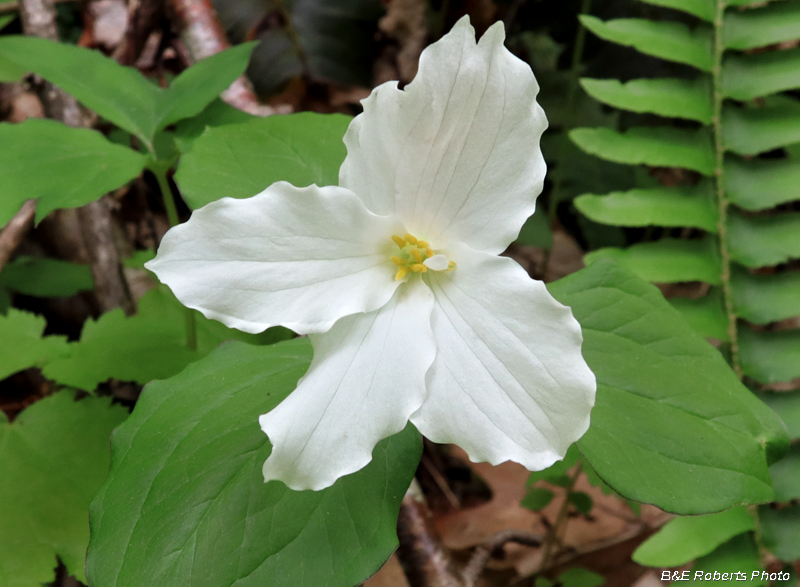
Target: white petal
455 155
508 381
367 377
437 262
298 257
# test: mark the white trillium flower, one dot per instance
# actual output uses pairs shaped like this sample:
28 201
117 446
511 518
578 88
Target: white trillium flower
395 276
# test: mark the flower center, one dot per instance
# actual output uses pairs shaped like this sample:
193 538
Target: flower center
416 256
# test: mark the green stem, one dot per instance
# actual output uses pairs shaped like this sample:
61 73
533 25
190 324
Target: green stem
551 538
719 183
172 215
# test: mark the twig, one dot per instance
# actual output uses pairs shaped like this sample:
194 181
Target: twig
441 482
201 32
144 17
492 547
15 231
422 555
551 538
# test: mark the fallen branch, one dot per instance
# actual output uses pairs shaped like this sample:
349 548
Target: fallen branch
493 547
15 231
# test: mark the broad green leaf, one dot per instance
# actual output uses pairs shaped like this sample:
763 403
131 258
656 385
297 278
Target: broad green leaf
61 167
749 76
42 277
580 577
780 530
242 160
754 130
686 538
53 458
787 406
757 241
537 499
558 472
150 345
770 357
672 425
186 496
217 113
738 558
679 206
705 315
759 184
7 20
670 97
766 298
672 41
668 260
9 71
200 84
786 475
120 94
536 231
582 502
768 25
23 345
704 9
656 147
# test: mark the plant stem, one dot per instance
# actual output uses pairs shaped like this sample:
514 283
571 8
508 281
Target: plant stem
552 535
172 215
719 183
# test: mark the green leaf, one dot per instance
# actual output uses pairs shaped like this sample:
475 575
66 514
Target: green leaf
771 24
54 457
672 41
217 113
770 357
241 160
754 130
557 473
758 241
739 555
60 166
672 425
580 577
582 501
668 260
23 345
42 277
679 206
780 530
705 315
150 345
196 87
7 20
186 496
670 97
786 475
657 147
787 406
749 76
686 538
766 298
537 499
536 231
759 184
704 9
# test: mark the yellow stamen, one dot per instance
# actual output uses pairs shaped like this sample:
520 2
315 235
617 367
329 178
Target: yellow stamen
401 273
422 244
450 266
419 268
429 252
397 261
411 239
412 255
399 241
417 255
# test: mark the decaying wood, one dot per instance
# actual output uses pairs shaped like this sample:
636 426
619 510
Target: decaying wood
491 547
15 231
144 18
425 560
111 290
202 34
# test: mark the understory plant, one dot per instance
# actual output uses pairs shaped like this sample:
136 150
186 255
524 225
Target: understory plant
725 218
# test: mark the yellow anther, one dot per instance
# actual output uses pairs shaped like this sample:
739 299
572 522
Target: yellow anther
399 241
411 239
422 244
429 252
397 261
401 273
417 255
450 266
419 268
